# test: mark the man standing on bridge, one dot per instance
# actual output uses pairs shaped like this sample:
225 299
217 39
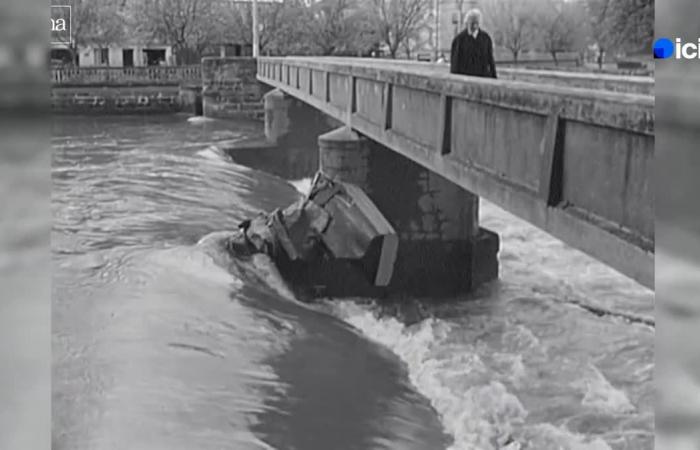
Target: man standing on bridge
472 50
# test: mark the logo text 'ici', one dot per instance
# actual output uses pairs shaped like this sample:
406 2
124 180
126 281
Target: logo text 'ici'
665 48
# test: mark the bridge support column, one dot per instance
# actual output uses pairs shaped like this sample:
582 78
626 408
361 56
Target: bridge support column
442 249
277 120
290 146
291 122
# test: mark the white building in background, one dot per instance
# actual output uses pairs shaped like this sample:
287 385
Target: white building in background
126 56
122 55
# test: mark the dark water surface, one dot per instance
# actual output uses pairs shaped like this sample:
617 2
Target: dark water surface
162 341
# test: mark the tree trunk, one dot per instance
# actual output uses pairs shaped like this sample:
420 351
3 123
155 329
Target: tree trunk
74 54
554 57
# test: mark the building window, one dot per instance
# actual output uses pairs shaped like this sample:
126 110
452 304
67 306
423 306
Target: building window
102 56
128 57
154 57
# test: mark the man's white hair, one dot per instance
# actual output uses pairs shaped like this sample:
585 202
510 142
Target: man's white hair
476 13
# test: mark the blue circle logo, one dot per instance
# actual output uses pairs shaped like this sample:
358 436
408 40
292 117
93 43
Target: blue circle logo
663 48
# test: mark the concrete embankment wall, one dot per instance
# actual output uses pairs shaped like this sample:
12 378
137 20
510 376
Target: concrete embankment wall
120 99
230 88
126 90
218 87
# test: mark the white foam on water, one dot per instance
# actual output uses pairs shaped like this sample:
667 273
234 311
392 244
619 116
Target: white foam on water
199 119
267 268
472 399
198 262
213 153
513 364
601 395
264 267
547 436
479 415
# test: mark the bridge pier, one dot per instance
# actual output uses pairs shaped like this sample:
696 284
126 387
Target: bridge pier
292 123
277 120
442 249
289 149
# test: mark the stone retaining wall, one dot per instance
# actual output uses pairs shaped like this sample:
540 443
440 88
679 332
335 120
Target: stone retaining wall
119 100
230 88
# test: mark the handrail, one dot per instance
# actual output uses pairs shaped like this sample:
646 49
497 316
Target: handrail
151 75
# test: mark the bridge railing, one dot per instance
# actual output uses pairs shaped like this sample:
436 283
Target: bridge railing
575 162
606 82
152 75
539 59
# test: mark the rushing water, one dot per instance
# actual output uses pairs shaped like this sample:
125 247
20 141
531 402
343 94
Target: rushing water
163 341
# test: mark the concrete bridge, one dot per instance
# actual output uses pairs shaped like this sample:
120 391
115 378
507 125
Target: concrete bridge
575 162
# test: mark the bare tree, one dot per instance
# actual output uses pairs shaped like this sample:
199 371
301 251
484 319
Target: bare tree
95 22
330 28
599 20
187 25
398 21
237 24
622 24
287 28
557 26
323 27
513 24
367 37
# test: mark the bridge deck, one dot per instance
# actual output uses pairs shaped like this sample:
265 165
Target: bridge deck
574 162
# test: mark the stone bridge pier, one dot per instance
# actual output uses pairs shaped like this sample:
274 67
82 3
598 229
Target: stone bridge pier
291 137
442 250
291 123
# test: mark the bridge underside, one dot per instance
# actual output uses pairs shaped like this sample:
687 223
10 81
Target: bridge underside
576 163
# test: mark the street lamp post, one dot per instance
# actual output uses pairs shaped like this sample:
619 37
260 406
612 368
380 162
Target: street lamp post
256 37
436 6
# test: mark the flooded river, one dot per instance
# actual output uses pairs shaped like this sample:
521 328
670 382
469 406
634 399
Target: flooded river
161 340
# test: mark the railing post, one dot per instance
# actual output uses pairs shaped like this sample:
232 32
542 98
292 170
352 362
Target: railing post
388 100
352 96
444 143
550 182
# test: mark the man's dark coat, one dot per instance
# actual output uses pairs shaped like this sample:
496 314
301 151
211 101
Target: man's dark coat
473 56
